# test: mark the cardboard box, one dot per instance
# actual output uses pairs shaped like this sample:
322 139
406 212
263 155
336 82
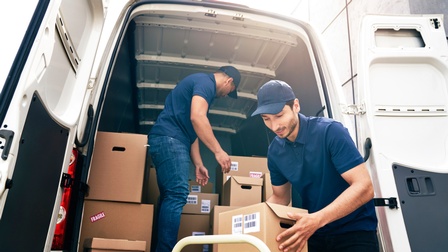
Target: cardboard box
113 245
117 169
195 187
264 221
214 220
253 167
117 220
153 188
194 224
241 191
200 203
267 187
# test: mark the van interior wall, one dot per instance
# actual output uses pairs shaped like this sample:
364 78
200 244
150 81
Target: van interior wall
120 111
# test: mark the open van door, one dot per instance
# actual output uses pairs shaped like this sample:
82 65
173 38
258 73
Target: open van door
41 102
403 83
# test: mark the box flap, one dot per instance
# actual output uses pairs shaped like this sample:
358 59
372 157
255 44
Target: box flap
115 244
281 210
248 180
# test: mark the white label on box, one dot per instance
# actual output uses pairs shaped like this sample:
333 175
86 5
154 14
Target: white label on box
192 199
205 206
228 176
252 223
237 224
254 174
234 166
196 188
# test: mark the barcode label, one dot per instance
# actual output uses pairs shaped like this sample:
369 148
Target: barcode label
234 166
192 199
196 188
237 224
205 246
205 206
252 223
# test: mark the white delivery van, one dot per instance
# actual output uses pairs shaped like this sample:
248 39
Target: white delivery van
88 66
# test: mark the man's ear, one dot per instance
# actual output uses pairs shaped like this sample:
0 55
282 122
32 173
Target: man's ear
296 105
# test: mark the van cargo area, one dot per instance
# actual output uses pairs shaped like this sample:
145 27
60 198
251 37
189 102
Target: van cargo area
91 77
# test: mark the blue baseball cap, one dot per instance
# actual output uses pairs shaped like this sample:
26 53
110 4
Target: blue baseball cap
272 97
235 74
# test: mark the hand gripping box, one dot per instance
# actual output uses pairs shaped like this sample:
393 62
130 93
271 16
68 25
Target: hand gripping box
263 220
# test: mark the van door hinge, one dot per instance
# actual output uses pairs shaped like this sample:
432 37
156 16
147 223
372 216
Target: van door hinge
390 202
69 47
238 17
67 180
8 135
353 109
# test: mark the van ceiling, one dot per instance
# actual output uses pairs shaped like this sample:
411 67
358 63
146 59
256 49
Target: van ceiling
162 47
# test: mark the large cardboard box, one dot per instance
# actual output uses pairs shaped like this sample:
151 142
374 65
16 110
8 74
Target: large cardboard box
263 220
214 221
241 191
267 187
117 220
96 244
195 187
200 203
253 167
118 166
191 225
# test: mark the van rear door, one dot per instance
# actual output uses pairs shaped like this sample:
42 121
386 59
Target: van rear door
41 103
403 78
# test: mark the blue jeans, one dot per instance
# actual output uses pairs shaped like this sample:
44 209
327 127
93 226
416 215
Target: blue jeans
171 159
365 241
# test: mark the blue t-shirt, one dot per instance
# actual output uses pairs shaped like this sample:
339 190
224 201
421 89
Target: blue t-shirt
313 164
174 120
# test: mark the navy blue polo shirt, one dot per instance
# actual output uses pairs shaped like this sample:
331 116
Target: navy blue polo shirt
174 120
313 164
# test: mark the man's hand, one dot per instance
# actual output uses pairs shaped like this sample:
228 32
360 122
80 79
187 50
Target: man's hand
223 160
294 239
202 175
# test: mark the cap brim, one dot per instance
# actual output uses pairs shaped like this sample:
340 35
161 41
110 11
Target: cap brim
272 109
233 94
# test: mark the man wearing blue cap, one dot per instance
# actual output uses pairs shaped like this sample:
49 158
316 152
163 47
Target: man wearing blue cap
173 141
319 159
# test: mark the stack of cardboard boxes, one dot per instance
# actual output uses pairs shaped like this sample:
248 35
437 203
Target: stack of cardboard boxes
113 210
123 197
243 192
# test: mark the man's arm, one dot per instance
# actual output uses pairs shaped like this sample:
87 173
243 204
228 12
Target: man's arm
200 170
281 194
203 129
359 192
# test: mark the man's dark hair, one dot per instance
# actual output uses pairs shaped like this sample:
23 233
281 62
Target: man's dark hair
290 103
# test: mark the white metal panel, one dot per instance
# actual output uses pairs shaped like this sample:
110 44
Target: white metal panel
403 76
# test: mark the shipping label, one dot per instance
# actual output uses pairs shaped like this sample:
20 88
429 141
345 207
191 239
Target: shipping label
254 174
205 206
251 223
237 224
192 199
195 188
234 166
